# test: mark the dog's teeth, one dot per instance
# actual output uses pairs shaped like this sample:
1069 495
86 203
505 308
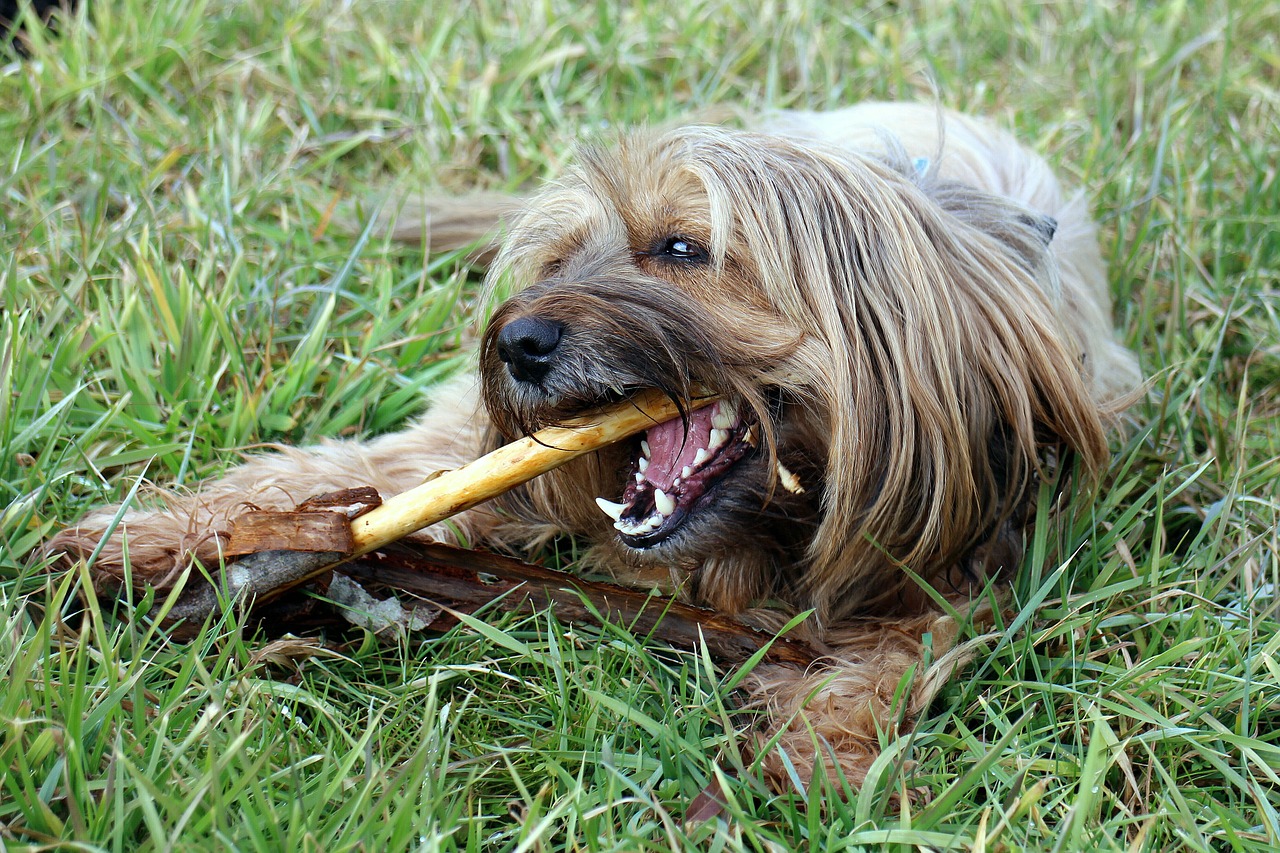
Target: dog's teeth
611 509
664 502
701 456
644 464
789 481
639 477
685 473
644 448
718 437
639 528
725 415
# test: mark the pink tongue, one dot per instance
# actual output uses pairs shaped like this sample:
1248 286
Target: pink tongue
671 449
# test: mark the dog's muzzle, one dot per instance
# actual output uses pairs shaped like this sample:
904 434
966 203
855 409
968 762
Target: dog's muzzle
555 350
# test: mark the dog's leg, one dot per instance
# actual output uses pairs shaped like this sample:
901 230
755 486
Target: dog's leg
171 528
874 685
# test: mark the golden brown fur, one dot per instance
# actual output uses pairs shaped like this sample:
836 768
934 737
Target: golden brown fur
909 341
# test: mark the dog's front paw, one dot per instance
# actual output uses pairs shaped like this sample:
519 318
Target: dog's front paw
150 544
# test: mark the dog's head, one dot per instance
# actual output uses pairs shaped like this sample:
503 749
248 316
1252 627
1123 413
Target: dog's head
886 346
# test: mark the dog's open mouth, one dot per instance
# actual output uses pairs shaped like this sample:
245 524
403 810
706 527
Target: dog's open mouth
674 468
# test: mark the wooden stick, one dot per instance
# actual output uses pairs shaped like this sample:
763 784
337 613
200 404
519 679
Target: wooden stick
462 580
452 492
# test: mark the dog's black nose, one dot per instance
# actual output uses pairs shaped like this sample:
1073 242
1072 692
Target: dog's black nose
527 346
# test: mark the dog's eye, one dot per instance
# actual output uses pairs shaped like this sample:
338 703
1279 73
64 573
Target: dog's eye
677 249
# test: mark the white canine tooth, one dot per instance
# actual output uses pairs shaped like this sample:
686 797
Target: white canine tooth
725 415
664 502
789 481
701 456
685 473
644 447
718 437
639 477
611 509
644 464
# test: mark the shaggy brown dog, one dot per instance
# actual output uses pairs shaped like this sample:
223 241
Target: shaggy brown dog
907 319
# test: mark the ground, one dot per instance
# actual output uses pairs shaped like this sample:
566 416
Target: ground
178 284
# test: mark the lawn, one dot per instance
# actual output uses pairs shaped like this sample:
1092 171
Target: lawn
184 275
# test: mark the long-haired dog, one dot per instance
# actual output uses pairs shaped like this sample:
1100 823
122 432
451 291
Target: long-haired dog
908 322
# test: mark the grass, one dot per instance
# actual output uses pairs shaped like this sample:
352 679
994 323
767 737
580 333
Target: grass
170 293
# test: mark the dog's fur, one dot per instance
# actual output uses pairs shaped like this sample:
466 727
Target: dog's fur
911 317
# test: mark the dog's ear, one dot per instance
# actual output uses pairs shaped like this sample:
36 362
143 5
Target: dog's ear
1027 233
946 373
958 300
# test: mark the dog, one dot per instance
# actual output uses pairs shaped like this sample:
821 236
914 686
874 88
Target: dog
907 320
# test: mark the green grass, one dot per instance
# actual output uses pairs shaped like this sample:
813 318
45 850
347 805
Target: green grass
169 294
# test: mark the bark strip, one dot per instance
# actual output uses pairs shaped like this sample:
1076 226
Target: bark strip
465 581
